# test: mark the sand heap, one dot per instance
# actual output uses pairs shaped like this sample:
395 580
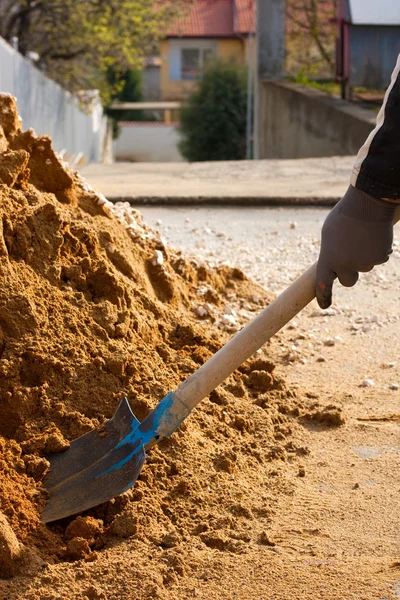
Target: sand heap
94 306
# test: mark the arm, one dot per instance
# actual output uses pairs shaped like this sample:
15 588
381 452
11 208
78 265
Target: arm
358 232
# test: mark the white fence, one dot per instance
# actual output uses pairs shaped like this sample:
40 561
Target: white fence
49 109
148 142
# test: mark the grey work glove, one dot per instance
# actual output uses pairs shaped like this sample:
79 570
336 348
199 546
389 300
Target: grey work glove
356 236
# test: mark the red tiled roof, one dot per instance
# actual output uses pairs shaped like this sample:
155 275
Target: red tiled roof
245 17
216 18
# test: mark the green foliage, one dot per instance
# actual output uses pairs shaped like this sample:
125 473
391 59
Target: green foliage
78 41
213 121
328 86
129 85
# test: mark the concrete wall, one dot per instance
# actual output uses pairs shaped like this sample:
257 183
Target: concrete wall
299 122
148 142
49 109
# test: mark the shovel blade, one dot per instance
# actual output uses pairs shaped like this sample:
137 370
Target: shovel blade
95 468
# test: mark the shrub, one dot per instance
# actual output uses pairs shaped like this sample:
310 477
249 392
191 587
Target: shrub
213 120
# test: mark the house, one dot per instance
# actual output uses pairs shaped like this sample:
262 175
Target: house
368 42
212 28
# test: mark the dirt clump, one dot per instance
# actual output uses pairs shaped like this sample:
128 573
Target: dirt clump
93 307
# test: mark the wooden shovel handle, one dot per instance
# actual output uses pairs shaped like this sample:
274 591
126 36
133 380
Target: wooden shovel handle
243 345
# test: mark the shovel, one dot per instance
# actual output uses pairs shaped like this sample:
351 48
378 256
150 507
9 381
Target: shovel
107 461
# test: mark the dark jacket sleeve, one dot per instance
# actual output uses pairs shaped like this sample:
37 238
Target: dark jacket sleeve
377 167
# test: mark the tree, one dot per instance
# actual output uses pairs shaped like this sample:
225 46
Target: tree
311 36
213 120
78 41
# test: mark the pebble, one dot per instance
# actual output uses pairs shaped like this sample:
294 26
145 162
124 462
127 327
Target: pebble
10 549
368 383
158 222
321 359
158 258
228 310
329 342
228 320
389 365
326 312
394 386
293 225
201 311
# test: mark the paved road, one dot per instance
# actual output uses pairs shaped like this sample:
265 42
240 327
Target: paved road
223 181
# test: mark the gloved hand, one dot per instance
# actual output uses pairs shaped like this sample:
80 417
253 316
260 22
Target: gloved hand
356 236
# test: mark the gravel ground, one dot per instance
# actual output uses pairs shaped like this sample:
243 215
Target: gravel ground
274 246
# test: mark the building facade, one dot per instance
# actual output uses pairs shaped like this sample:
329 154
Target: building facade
217 29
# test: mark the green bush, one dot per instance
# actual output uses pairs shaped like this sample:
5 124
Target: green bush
129 88
213 120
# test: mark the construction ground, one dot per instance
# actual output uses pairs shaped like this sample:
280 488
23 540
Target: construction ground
284 484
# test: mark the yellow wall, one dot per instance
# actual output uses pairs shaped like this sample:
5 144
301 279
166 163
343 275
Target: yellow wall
230 50
172 90
234 49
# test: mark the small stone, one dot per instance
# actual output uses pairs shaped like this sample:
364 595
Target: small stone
10 549
368 383
158 258
302 472
329 342
293 225
158 222
394 386
228 320
201 311
389 365
321 359
326 312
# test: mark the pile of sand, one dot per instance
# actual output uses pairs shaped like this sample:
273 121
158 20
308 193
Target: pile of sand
94 306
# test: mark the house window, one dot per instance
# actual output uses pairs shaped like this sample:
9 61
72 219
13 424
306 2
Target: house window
193 61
